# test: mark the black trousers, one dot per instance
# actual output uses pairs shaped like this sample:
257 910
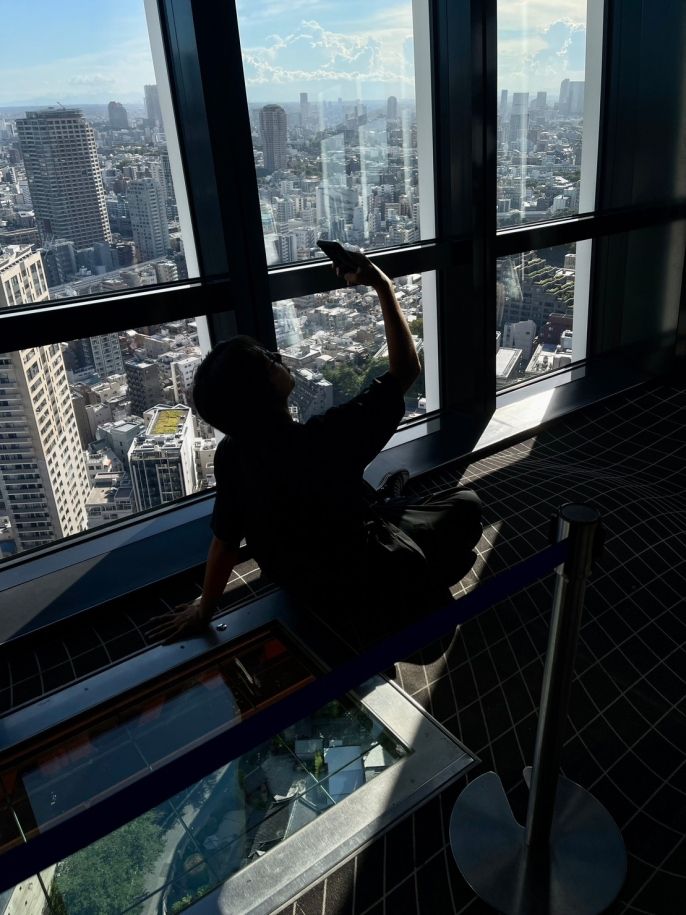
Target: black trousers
446 527
377 594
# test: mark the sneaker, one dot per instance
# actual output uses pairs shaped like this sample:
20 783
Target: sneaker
393 485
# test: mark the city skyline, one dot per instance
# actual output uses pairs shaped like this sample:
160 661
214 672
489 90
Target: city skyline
104 54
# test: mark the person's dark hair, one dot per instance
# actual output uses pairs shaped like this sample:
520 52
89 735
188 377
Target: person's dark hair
231 390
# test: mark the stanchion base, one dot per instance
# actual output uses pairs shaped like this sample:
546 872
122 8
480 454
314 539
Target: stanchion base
580 873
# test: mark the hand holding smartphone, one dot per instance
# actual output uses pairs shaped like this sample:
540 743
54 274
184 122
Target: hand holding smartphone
365 273
338 254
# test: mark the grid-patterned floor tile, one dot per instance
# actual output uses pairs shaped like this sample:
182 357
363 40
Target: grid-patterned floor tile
626 738
38 665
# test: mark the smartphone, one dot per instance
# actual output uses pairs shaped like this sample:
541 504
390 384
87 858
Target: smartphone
338 255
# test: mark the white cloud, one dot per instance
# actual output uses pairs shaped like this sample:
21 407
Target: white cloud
116 73
540 58
312 53
90 79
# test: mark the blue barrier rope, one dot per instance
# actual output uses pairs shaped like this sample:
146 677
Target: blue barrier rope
104 816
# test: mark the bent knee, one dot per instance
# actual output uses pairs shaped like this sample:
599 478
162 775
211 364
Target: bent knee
468 504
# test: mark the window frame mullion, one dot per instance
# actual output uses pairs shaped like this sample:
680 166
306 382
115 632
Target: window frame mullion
464 65
205 51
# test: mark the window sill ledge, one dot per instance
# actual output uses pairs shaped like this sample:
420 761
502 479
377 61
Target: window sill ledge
520 412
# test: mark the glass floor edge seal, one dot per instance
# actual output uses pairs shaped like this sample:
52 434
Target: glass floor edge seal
436 759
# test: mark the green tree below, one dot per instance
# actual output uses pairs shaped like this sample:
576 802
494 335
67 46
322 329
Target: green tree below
108 876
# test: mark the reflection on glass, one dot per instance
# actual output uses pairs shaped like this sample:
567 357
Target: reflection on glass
166 859
334 344
535 313
127 743
333 115
541 75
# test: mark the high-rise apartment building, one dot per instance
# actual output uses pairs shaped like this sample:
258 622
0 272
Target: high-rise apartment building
304 109
519 119
79 402
59 261
22 276
117 115
571 97
61 161
274 137
148 214
152 105
145 386
576 98
183 373
160 170
287 246
564 97
43 479
162 460
107 357
392 108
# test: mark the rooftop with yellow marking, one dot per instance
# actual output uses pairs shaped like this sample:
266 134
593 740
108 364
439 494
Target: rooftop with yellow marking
167 422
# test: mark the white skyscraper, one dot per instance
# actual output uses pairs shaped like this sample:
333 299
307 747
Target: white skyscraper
520 335
519 119
43 478
183 373
576 98
152 104
162 460
148 213
63 171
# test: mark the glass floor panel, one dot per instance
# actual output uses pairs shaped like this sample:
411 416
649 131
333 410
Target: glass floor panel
171 856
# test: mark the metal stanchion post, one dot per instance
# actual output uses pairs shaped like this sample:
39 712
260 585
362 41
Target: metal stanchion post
569 859
578 523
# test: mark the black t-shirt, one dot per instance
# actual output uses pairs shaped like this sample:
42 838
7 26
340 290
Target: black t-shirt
296 492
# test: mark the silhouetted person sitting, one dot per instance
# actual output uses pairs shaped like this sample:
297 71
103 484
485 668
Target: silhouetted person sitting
297 494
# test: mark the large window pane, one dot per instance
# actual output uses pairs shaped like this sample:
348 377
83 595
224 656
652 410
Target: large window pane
97 429
541 312
335 345
544 92
333 111
92 181
94 430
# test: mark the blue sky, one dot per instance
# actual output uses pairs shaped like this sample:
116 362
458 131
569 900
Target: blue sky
93 51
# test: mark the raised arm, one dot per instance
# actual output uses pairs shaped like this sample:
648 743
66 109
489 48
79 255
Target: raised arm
403 360
192 619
